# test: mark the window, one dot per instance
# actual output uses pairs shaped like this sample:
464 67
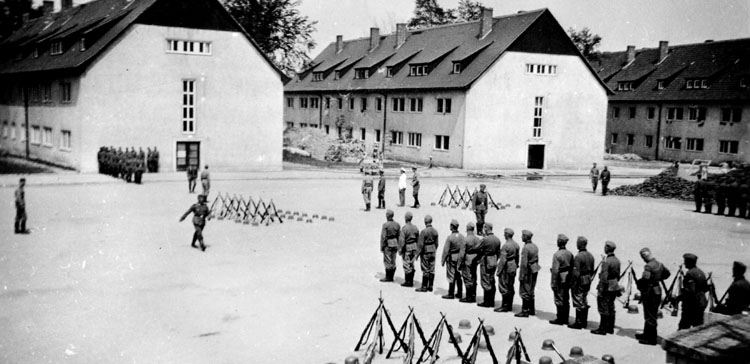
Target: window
379 104
651 113
389 72
351 103
541 69
649 141
82 44
340 102
328 129
65 95
290 102
377 135
442 142
362 134
314 126
418 70
415 104
303 102
444 105
336 75
415 140
697 113
733 115
328 103
317 76
302 125
339 132
188 106
36 135
456 67
36 93
46 92
13 131
56 48
397 138
674 113
660 85
314 102
614 138
47 137
5 130
615 112
696 84
289 124
537 129
65 140
35 53
624 86
673 143
361 73
694 144
363 104
188 47
398 104
22 132
631 112
729 146
631 139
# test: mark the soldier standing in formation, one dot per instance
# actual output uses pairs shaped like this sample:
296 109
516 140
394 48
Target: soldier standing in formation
407 244
506 271
650 286
693 294
582 275
605 177
738 294
192 175
528 274
20 223
479 205
402 188
381 190
562 263
468 262
594 176
200 213
607 290
205 180
488 251
367 185
415 187
698 195
454 246
708 196
426 247
389 245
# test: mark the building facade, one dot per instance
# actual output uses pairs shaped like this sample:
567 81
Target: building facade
502 92
181 76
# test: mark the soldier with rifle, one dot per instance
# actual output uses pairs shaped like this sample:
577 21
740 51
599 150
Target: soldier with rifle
454 245
607 290
389 245
649 285
468 262
506 267
407 246
527 274
692 294
738 293
582 275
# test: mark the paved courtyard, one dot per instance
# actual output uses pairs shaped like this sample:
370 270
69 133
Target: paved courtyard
107 274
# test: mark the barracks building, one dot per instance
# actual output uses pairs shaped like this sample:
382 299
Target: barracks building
179 75
680 102
502 92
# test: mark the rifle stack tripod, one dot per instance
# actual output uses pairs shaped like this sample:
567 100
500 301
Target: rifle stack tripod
454 198
255 212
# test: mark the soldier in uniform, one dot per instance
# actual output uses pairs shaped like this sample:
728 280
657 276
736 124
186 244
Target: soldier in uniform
389 245
205 179
608 290
738 293
381 190
454 245
650 286
698 195
527 274
479 205
732 197
720 196
139 169
743 201
583 269
488 251
407 245
594 175
100 159
367 184
200 214
155 162
415 187
605 177
708 197
192 176
562 264
468 261
427 245
506 271
20 194
692 294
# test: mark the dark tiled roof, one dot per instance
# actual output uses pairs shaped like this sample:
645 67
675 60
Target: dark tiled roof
721 63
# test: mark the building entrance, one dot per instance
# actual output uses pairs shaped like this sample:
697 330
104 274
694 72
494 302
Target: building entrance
536 156
188 154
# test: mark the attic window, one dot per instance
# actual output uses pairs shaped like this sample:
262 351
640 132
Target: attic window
82 44
696 84
361 73
317 76
389 72
337 75
35 53
418 70
188 47
743 82
56 48
456 67
660 85
624 86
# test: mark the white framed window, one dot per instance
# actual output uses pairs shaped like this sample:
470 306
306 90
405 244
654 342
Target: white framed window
35 53
362 104
189 47
378 104
361 73
46 92
340 102
65 92
456 67
317 76
82 44
674 113
397 137
443 105
398 104
418 70
188 106
389 72
362 134
56 48
729 146
290 102
624 86
613 139
442 142
673 143
541 69
415 139
336 75
648 141
415 104
6 132
303 102
36 135
47 137
696 113
696 84
314 102
65 143
660 85
537 128
743 82
694 144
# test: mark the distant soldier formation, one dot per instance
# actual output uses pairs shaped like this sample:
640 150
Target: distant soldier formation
731 197
128 164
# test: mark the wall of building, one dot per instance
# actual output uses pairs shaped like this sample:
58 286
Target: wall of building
500 114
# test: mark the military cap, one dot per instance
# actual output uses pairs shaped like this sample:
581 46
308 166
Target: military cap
454 222
527 233
562 237
22 180
690 258
427 219
381 171
202 195
482 185
645 250
470 226
389 213
414 167
582 239
488 225
408 215
740 267
509 231
610 245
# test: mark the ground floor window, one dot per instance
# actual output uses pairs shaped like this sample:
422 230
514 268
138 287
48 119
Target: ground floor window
614 138
362 134
328 129
314 126
65 140
377 135
631 139
415 139
729 146
694 145
673 143
13 131
442 142
47 137
649 141
289 124
397 137
36 135
5 130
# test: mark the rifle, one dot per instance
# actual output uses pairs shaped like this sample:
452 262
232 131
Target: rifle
668 296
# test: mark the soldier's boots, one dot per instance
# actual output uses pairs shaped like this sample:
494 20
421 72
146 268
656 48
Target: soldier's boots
389 273
532 309
451 289
367 208
507 305
470 295
459 288
524 309
425 283
203 246
562 316
648 337
431 281
581 319
603 326
408 280
488 299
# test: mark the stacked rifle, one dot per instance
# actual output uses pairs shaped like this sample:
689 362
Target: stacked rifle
454 198
244 211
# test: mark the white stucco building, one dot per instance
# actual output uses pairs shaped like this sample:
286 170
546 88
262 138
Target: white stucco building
502 92
182 76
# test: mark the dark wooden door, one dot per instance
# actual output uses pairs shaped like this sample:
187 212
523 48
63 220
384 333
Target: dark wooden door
188 154
536 156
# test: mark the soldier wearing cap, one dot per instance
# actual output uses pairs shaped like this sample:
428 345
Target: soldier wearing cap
607 290
488 251
367 185
650 286
402 188
562 263
738 293
693 294
594 176
205 179
407 246
479 206
605 177
454 245
708 196
582 275
506 271
527 274
427 245
200 214
469 262
20 195
389 245
415 186
381 190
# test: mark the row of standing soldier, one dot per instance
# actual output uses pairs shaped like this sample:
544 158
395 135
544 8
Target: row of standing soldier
731 198
368 185
128 164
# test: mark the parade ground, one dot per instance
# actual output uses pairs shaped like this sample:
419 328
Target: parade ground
107 274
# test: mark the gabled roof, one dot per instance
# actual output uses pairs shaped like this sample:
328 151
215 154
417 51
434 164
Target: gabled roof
721 63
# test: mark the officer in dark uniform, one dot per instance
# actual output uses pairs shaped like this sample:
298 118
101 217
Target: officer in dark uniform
454 245
367 185
720 196
608 290
389 245
200 214
407 245
562 264
469 262
605 177
427 245
708 197
20 195
650 286
698 195
527 274
381 190
415 187
738 294
506 271
479 205
488 251
583 269
693 294
155 162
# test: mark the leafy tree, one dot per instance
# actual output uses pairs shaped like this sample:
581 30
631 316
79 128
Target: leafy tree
279 29
427 13
11 15
586 42
469 10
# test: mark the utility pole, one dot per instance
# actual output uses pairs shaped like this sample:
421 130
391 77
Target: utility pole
382 135
26 116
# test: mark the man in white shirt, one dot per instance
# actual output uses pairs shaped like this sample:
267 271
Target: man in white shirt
402 188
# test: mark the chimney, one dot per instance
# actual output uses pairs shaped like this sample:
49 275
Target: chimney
339 43
485 24
374 38
48 7
400 34
631 54
663 50
66 4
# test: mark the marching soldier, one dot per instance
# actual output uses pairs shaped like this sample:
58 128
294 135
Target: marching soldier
20 194
381 190
607 290
454 245
506 271
562 263
488 252
693 294
738 293
528 274
407 244
469 263
583 269
427 245
200 213
479 205
594 176
389 245
605 177
415 187
650 286
367 184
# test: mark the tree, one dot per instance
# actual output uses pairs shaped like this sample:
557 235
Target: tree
11 15
469 10
586 42
427 13
282 33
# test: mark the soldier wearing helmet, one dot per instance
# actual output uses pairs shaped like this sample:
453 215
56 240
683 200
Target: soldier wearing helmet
407 247
389 245
468 262
607 290
426 247
200 213
454 245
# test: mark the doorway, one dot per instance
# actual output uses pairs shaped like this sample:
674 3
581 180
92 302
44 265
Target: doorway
188 154
536 156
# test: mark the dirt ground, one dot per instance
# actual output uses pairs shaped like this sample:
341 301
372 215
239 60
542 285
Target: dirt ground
107 274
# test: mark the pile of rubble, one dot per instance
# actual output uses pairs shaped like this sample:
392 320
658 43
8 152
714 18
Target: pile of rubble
322 146
664 185
622 157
